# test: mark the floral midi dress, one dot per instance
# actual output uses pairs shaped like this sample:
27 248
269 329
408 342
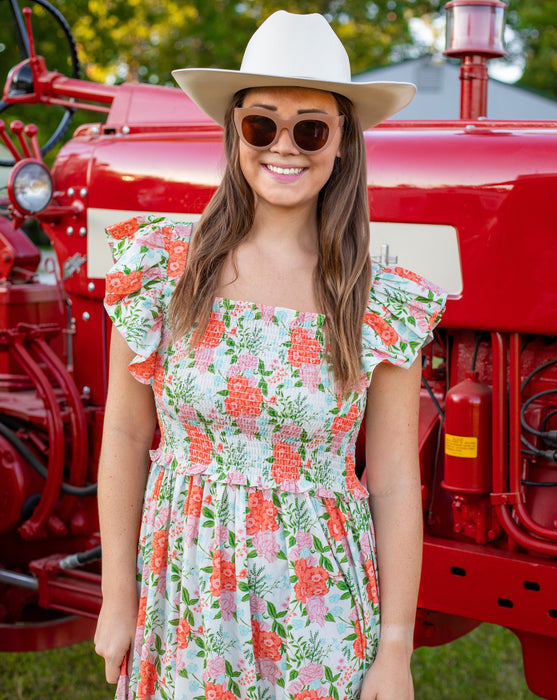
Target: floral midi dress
256 565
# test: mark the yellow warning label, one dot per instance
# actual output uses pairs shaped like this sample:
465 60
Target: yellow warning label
460 446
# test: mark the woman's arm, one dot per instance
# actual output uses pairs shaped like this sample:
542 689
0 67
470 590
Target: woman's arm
393 477
129 425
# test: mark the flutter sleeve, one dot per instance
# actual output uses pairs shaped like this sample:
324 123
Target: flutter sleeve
149 256
402 311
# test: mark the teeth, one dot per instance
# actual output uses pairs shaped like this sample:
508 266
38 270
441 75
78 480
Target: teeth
284 171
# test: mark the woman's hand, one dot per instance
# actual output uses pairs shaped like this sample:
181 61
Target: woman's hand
389 678
115 633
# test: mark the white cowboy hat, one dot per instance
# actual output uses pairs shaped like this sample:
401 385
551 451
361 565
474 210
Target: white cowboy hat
293 50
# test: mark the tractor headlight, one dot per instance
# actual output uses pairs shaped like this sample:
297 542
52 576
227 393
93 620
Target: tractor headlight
30 186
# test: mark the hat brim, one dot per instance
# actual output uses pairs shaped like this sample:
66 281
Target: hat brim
212 89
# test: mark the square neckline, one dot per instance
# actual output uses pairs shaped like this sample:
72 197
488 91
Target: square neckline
220 300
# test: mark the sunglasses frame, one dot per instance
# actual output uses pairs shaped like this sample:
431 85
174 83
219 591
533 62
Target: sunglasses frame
333 121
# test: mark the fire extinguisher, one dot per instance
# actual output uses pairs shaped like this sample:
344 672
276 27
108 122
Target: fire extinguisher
468 431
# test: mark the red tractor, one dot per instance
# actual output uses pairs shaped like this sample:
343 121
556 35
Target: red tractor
467 203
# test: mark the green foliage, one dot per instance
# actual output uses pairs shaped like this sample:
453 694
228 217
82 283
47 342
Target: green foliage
484 664
536 23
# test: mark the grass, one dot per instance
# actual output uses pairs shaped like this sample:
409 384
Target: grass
486 663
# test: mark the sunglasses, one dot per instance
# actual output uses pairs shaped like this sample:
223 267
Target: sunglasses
310 132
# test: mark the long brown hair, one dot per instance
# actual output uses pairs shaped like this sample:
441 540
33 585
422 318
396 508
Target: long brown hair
342 276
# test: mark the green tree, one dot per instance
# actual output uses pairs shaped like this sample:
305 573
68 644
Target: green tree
536 25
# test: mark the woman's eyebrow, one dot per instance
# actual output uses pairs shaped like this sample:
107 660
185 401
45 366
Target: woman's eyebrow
300 111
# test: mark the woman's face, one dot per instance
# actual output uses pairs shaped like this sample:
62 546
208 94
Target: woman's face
281 175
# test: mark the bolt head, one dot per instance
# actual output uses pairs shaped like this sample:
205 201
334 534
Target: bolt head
69 230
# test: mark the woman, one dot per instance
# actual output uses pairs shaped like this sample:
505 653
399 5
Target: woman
258 349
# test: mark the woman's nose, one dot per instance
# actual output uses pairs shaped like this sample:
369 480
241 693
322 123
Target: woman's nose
284 144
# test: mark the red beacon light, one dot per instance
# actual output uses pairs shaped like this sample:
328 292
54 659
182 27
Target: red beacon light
474 33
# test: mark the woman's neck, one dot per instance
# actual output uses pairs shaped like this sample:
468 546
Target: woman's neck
289 228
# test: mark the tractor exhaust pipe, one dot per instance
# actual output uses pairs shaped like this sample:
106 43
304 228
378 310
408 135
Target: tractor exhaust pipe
474 33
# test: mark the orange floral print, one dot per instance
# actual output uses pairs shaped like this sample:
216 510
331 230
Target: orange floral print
194 501
304 348
141 610
286 463
266 645
433 320
262 515
144 370
385 331
177 256
371 586
223 577
158 557
343 424
312 580
124 229
243 399
147 679
311 695
201 447
182 632
214 691
405 274
336 521
360 643
214 331
120 284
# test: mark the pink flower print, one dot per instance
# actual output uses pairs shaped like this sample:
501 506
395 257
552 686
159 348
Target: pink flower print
187 413
256 604
246 361
214 668
267 312
309 375
317 610
266 545
311 672
304 540
221 534
268 670
288 430
247 424
191 531
204 355
162 517
365 547
227 604
235 477
419 312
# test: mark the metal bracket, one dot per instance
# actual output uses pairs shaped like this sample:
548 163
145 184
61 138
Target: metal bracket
385 258
506 499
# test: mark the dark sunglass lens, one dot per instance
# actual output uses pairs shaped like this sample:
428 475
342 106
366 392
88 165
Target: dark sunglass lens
311 134
259 131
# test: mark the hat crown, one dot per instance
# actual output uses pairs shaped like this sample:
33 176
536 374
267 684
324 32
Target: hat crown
297 46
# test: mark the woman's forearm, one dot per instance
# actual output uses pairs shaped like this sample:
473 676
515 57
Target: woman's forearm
398 525
122 476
